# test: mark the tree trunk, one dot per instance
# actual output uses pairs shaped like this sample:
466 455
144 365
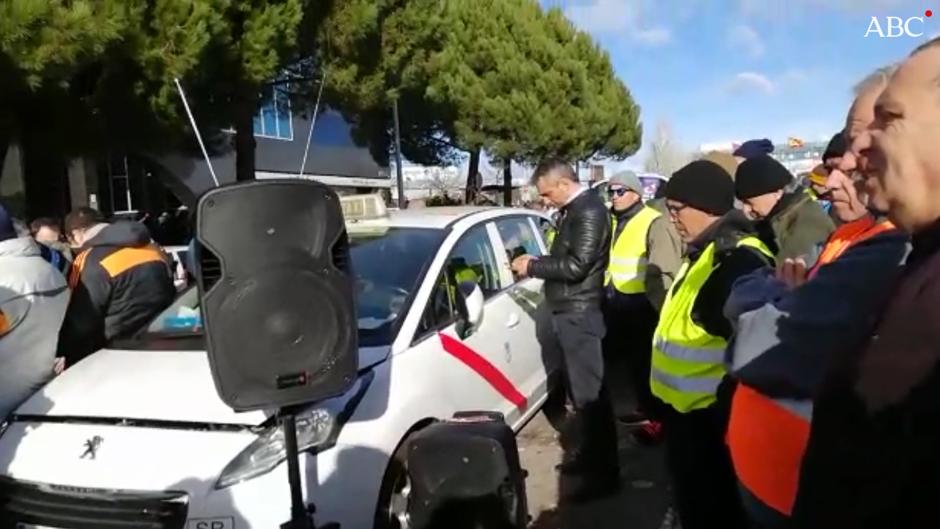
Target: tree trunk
507 182
473 177
246 106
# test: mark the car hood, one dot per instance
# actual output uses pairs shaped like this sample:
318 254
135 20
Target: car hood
172 386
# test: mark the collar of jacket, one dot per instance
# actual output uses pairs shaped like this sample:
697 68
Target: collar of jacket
786 205
924 243
725 233
574 197
19 247
578 197
659 204
628 213
121 233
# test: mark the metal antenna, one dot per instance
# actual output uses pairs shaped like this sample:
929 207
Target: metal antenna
313 123
192 121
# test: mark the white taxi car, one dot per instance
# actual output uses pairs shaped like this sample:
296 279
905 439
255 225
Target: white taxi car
135 436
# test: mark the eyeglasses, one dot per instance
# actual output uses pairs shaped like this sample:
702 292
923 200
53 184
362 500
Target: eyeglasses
618 192
674 209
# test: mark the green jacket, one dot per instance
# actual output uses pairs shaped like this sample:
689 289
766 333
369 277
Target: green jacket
664 250
799 225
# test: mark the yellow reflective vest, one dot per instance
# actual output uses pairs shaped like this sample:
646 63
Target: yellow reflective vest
688 362
628 253
461 274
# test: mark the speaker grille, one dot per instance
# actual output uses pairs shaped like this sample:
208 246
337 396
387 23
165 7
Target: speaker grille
281 324
211 268
340 253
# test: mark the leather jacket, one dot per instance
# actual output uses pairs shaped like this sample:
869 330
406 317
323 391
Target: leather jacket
574 270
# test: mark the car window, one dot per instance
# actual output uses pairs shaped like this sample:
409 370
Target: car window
441 309
545 227
472 259
518 237
388 265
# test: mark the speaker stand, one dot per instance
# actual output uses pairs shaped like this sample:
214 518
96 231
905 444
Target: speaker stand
301 517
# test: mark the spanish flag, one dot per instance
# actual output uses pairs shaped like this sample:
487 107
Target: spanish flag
794 142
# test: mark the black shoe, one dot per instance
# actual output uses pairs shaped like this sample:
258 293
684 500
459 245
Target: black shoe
593 489
633 419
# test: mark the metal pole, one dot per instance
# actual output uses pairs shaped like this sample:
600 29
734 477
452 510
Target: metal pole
313 123
192 120
401 180
299 518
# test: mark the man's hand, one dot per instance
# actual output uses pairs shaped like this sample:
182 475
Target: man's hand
792 272
520 265
59 365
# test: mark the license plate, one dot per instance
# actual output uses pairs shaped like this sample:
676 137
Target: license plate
210 523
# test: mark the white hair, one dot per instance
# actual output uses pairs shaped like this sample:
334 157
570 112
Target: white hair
876 79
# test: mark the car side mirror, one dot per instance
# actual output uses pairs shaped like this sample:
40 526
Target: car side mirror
469 308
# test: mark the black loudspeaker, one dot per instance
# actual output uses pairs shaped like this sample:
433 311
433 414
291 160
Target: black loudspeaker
276 290
465 473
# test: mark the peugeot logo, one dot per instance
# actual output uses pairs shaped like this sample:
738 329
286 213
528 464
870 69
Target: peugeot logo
91 447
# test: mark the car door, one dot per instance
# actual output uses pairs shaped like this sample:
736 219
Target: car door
528 362
476 371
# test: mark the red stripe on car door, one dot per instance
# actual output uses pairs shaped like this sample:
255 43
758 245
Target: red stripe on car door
485 369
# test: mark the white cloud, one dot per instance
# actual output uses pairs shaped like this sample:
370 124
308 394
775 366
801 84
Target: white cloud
746 37
769 85
603 16
623 17
752 81
653 36
794 76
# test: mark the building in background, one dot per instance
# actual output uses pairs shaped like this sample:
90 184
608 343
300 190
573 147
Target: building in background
796 155
425 182
137 185
799 157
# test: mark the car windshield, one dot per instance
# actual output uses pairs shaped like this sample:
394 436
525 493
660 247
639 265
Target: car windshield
387 264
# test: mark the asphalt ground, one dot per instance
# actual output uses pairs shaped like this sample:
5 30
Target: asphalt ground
643 502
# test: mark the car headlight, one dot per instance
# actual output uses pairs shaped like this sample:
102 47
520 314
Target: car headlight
317 429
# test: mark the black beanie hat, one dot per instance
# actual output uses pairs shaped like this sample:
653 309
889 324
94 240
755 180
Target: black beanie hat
752 148
703 185
760 175
836 148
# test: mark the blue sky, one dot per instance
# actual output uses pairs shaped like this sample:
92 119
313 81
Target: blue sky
721 70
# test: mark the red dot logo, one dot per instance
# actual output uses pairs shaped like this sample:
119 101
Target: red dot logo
928 13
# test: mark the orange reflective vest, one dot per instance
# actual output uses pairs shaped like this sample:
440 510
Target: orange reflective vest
767 437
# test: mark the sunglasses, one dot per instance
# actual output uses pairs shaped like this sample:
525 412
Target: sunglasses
619 192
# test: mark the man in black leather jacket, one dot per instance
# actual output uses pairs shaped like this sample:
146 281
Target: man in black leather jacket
574 290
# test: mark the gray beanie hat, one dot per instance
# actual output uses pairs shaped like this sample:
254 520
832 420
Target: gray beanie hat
629 180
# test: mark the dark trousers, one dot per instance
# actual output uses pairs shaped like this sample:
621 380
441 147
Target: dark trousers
703 480
578 336
761 515
629 342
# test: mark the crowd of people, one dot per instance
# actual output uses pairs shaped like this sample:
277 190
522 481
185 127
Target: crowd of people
779 332
65 293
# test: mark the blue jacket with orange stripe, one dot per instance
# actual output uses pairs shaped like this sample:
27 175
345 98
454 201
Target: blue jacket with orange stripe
121 280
